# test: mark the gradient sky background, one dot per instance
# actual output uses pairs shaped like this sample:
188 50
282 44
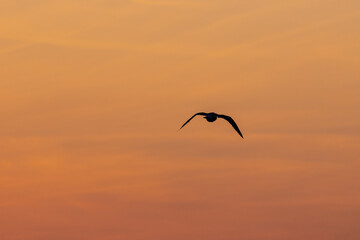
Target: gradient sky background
92 94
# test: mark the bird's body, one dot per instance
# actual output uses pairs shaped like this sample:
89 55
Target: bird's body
211 117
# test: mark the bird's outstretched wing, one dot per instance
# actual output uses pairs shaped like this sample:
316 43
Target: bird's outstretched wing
199 113
232 122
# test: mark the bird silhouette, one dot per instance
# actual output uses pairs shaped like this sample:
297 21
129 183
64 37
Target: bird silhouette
211 117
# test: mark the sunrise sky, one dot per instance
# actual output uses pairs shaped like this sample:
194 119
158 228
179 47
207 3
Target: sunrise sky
92 94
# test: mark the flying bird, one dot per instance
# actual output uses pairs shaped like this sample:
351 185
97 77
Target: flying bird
211 117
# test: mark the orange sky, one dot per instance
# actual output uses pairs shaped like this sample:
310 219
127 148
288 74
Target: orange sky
92 94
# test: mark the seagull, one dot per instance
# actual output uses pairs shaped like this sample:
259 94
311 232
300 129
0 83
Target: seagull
211 117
